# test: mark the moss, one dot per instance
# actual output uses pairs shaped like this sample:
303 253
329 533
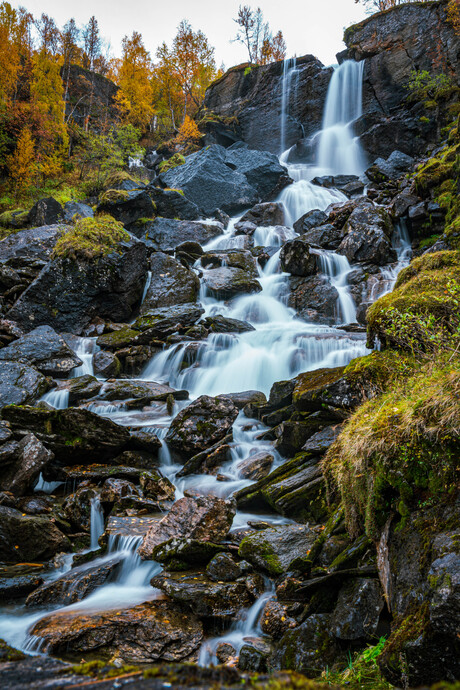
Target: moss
172 189
424 120
114 196
408 629
397 447
173 162
8 653
437 169
90 238
117 177
379 369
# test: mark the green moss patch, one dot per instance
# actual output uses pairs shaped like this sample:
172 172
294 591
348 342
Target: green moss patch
91 238
114 196
173 162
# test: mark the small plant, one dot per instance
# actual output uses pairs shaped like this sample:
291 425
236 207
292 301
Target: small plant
173 162
362 671
424 86
91 238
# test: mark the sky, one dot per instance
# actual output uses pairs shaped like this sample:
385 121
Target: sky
309 26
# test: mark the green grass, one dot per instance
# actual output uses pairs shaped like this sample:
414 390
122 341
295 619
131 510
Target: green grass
362 671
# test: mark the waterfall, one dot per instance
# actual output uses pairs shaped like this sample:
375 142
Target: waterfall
57 398
336 267
339 150
290 73
85 348
97 523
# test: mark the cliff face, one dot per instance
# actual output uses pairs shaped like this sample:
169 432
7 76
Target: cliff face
409 37
89 95
254 96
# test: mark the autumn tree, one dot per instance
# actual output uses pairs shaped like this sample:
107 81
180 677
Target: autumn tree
135 96
255 34
92 43
453 15
191 62
9 52
49 35
21 163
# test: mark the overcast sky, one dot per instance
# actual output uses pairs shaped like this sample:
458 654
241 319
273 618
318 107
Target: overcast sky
309 26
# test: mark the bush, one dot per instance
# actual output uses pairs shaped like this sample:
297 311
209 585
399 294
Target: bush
91 238
173 162
424 86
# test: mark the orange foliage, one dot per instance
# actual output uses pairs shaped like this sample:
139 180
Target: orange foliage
188 132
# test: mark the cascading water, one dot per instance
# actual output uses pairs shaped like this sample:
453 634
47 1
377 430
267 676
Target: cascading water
339 150
337 268
400 241
97 523
290 76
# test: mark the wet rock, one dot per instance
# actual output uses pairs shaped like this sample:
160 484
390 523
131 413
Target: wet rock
185 554
402 202
171 204
76 208
127 206
82 388
223 324
95 473
315 389
30 245
203 596
224 283
358 610
320 442
314 299
291 436
167 234
254 656
160 323
222 567
261 169
28 538
298 649
20 384
73 434
73 586
77 506
225 652
156 487
143 391
296 259
324 237
171 283
45 212
390 169
31 458
153 631
208 461
367 236
204 422
67 294
115 489
36 505
144 440
255 466
204 518
275 620
17 586
266 214
106 364
240 400
45 349
310 220
233 258
276 549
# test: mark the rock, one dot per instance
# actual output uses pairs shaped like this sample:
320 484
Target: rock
314 299
17 586
315 389
207 180
28 538
127 207
261 169
367 236
110 287
358 610
144 440
171 204
391 169
224 283
323 237
45 349
153 631
402 202
32 458
77 506
204 518
322 440
115 489
296 259
266 214
298 648
76 208
222 567
254 656
274 620
82 388
73 434
165 321
223 324
310 220
208 461
240 400
255 466
20 384
178 554
171 284
30 245
204 422
45 212
204 597
157 487
224 652
144 391
106 364
165 234
73 586
275 550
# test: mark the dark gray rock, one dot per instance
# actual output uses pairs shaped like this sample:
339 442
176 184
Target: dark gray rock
265 214
25 538
20 383
171 283
31 458
166 234
73 586
367 236
76 208
310 220
222 567
224 283
314 299
261 169
162 322
128 207
276 549
45 212
171 204
358 610
296 258
32 244
44 349
391 169
223 324
106 364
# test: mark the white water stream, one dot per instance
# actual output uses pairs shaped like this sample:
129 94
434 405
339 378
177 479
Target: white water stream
280 347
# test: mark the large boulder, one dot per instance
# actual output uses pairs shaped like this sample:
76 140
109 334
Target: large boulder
277 549
172 204
357 613
391 169
314 299
164 321
45 349
20 383
204 518
73 434
30 245
265 214
31 458
171 283
367 237
45 212
296 259
166 234
68 293
154 631
28 538
200 425
261 169
227 282
127 207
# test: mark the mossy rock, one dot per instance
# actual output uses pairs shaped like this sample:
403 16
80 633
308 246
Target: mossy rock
117 340
8 653
113 196
90 238
173 162
275 550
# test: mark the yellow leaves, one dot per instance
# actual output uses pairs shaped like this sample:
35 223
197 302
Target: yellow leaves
188 132
21 163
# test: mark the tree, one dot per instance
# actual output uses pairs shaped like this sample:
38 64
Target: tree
188 133
453 15
191 63
48 33
92 43
9 52
135 96
381 5
21 162
70 50
255 34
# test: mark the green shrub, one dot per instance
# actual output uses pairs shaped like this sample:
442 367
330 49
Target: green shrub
91 238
